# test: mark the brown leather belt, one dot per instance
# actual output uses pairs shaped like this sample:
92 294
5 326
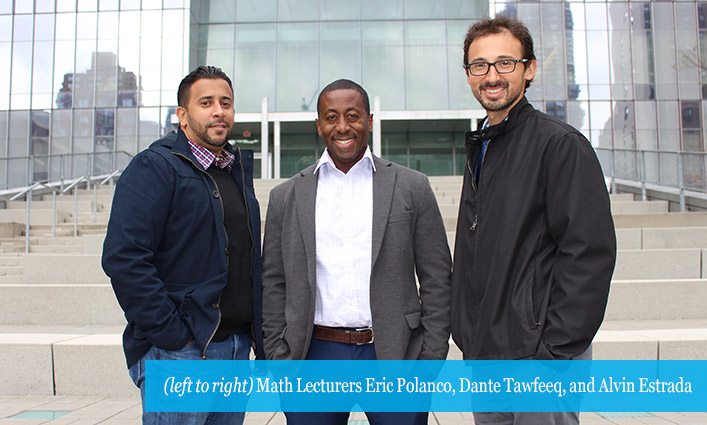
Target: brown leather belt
347 336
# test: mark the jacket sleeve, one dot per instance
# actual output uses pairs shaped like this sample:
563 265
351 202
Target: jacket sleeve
274 291
433 265
580 222
140 209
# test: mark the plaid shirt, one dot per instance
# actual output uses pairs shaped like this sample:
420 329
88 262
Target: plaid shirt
206 157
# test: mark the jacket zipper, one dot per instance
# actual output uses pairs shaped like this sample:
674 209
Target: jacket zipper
250 231
218 323
475 224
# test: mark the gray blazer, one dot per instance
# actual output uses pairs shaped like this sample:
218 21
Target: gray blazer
408 236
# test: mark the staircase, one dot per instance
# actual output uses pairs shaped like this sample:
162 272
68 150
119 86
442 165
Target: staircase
61 325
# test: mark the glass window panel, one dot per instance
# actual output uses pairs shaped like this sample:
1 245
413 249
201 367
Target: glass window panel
108 25
394 145
60 141
466 9
108 4
151 4
217 36
383 33
21 74
425 33
173 30
577 14
596 16
250 87
172 65
379 63
424 9
597 43
64 73
65 26
150 53
43 27
86 26
148 127
3 141
42 75
129 4
297 76
300 148
23 28
460 95
218 11
6 7
256 10
578 115
577 75
426 77
619 17
376 9
5 66
173 4
87 5
688 56
621 70
600 123
690 114
84 79
298 10
642 53
126 130
106 67
554 65
19 133
668 121
23 6
340 52
222 58
5 28
339 9
624 125
557 110
65 5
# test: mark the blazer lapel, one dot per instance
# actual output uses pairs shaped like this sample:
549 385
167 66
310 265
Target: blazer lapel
383 186
305 195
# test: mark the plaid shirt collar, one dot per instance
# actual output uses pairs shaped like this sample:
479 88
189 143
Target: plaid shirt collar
206 157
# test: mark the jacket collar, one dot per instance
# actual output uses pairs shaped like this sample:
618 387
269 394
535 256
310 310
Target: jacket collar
178 143
516 116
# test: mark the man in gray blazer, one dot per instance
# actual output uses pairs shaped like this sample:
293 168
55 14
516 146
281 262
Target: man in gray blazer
344 239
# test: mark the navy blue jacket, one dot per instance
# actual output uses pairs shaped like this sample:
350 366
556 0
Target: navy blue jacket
166 248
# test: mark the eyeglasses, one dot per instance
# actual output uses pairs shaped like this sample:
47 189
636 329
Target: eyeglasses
503 66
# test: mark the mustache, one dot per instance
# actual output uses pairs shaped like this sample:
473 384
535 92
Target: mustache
219 121
503 84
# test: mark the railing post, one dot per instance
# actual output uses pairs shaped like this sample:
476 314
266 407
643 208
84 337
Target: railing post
53 214
61 172
643 176
29 200
681 183
76 210
95 201
612 166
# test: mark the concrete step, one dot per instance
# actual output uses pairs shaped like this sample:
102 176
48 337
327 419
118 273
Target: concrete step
74 362
37 217
10 271
638 207
49 268
686 219
659 264
62 204
662 238
676 299
59 304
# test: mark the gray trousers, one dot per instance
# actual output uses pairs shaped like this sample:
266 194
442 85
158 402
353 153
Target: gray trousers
532 418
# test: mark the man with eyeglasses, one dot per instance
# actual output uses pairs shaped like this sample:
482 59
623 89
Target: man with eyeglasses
535 243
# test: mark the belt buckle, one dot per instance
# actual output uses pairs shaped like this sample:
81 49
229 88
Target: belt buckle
363 330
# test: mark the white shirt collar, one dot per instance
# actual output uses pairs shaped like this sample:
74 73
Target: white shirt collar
326 159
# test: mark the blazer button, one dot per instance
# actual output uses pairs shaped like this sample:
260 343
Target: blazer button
216 195
226 251
215 305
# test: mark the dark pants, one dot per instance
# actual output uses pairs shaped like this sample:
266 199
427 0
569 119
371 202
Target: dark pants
326 350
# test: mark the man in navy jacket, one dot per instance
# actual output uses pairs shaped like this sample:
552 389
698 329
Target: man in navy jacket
183 243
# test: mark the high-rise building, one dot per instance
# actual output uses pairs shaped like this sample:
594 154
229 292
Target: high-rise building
85 84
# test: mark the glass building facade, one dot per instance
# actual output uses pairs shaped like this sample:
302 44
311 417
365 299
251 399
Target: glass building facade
85 84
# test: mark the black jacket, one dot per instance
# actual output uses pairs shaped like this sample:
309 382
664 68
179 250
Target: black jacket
535 243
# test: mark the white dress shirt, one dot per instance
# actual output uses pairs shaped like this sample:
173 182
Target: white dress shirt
344 230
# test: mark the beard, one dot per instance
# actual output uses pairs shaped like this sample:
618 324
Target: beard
501 104
201 131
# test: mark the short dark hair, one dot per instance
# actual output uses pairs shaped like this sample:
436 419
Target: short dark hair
210 72
344 84
498 25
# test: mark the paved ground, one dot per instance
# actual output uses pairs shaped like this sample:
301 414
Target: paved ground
126 411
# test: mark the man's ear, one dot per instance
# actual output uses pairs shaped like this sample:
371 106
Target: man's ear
319 129
181 116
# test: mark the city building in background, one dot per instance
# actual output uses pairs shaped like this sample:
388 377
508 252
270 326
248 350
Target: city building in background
86 84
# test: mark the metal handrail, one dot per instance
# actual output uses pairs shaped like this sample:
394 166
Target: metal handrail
28 193
697 170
